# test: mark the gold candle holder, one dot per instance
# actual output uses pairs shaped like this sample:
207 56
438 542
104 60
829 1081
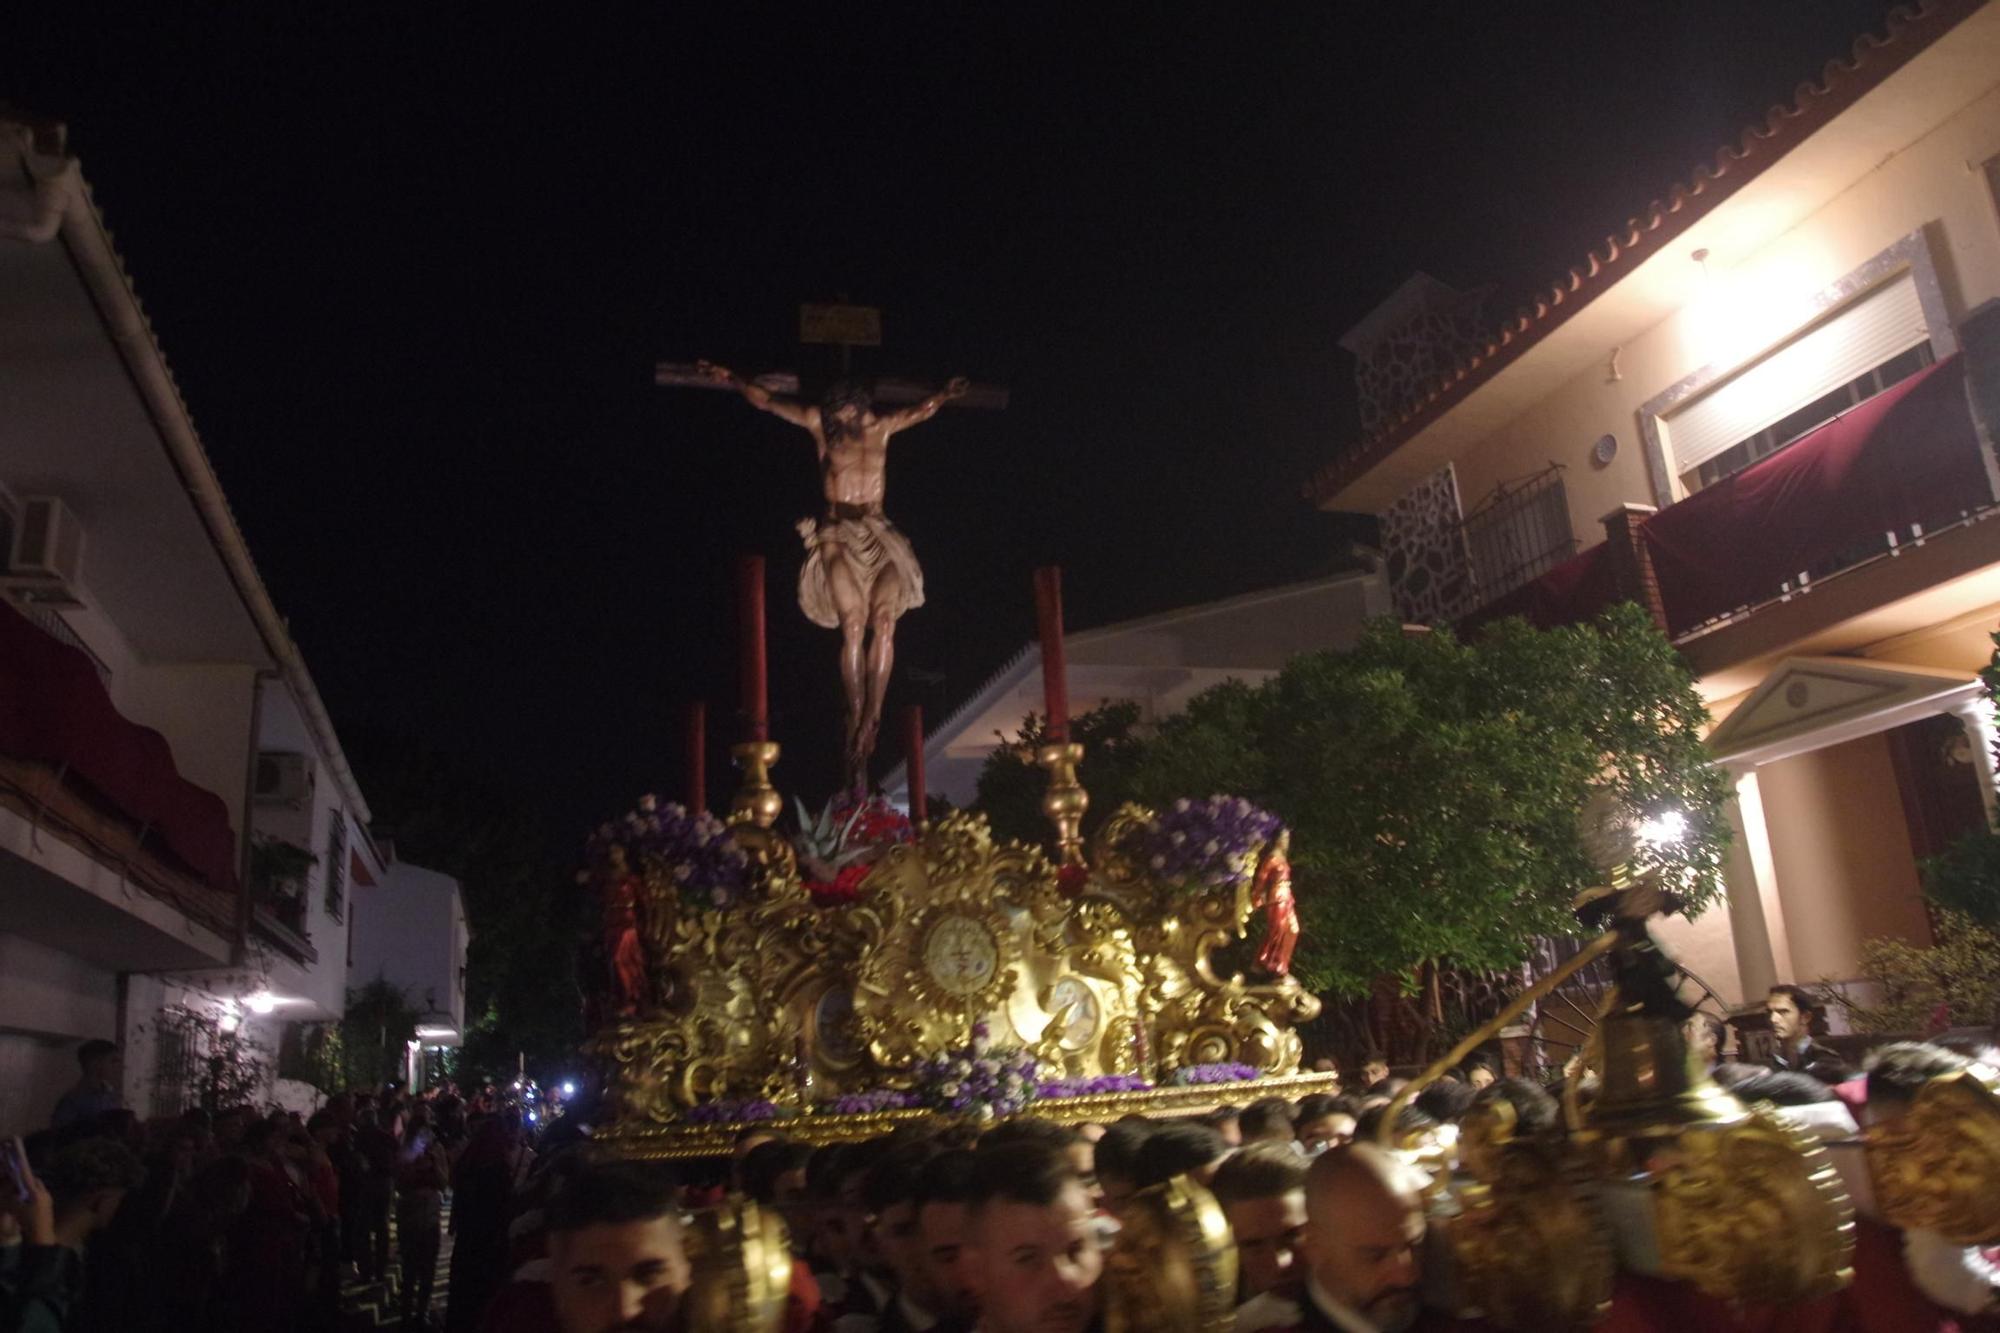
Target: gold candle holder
756 799
1066 800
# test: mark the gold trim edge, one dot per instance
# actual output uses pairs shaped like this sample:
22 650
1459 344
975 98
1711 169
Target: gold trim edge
681 1143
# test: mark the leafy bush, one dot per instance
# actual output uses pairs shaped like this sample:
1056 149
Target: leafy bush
1954 983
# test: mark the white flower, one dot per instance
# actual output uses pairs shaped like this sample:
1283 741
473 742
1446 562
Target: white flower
647 802
948 1090
1212 847
981 1043
720 897
962 1068
1159 863
984 1112
1182 805
682 871
1177 837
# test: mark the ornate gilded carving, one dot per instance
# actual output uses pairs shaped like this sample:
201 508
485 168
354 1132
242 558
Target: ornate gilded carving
1173 1269
742 1270
1753 1211
1936 1166
1531 1248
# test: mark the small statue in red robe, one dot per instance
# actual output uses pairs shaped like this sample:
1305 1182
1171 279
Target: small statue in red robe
1271 889
622 950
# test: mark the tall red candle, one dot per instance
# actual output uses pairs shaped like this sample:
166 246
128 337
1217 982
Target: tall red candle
913 723
1055 667
750 646
697 755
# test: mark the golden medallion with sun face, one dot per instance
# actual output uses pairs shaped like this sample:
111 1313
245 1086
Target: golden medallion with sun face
960 954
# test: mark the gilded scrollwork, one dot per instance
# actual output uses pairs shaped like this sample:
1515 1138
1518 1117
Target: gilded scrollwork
1173 1268
1937 1166
1753 1210
1528 1242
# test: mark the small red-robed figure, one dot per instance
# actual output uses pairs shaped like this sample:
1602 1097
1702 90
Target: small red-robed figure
620 921
1271 889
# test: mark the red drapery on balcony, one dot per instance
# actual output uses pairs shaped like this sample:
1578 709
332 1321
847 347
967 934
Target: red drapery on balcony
54 710
1908 456
1568 594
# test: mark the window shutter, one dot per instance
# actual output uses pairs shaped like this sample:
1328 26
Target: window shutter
1864 334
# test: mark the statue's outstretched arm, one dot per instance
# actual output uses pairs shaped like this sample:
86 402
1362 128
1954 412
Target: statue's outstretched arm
759 397
957 387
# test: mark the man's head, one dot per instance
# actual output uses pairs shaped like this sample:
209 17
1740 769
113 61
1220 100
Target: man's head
1079 1151
1118 1161
1262 1190
99 1061
1037 1258
842 408
1180 1148
1704 1033
1792 1010
944 1196
1228 1122
891 1196
774 1174
1322 1123
1535 1111
1364 1233
1445 1101
1268 1119
617 1260
1897 1073
1479 1075
1374 1070
747 1141
88 1180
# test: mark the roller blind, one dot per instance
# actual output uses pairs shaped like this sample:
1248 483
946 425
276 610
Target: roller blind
1884 323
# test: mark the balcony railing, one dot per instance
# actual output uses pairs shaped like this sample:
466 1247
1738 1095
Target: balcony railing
1519 533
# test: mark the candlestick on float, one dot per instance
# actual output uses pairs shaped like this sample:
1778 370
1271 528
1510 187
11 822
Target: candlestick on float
913 730
756 800
1066 800
695 756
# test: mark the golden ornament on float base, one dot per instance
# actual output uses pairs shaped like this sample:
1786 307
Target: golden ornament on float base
756 800
1065 801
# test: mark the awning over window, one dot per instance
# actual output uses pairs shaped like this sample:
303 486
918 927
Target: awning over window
54 710
1907 460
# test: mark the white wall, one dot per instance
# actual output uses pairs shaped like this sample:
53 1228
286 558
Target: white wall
411 931
323 984
50 1002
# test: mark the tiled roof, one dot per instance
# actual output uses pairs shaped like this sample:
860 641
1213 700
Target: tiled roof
1909 30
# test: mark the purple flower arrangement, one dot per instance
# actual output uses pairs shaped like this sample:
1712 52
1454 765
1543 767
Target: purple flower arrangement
1209 844
868 1103
691 847
1092 1087
733 1111
1194 1075
980 1081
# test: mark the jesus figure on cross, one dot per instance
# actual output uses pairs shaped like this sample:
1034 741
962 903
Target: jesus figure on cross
860 574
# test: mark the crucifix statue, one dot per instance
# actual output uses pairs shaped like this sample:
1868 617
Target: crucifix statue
860 572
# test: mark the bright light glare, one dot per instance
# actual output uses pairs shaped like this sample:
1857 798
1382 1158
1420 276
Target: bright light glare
1664 829
517 1085
229 1020
262 1002
569 1089
531 1116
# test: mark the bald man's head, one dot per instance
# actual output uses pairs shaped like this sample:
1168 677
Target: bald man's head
1364 1232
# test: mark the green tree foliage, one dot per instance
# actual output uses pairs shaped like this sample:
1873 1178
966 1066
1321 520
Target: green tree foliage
1965 877
1961 973
1435 785
374 1034
1012 784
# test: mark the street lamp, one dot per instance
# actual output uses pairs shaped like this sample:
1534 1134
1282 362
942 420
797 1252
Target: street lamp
1663 829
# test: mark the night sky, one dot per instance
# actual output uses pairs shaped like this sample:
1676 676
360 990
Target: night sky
413 271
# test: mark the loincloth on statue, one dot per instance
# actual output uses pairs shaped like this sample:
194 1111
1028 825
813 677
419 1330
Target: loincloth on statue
869 543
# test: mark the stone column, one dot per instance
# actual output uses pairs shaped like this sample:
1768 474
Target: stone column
1756 916
1976 716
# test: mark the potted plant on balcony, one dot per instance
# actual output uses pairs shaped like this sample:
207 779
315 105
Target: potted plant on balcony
278 880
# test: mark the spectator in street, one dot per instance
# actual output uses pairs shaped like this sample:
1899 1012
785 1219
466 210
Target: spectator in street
1705 1035
1323 1122
192 1261
1795 1014
96 1091
77 1195
375 1178
483 1185
422 1175
1374 1074
1268 1119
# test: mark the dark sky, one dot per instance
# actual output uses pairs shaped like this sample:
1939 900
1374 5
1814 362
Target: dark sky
413 267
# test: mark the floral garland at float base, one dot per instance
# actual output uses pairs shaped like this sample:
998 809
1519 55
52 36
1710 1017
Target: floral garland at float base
980 1081
1200 845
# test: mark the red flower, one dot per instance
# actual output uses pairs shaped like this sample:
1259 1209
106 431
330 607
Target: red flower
845 888
1071 879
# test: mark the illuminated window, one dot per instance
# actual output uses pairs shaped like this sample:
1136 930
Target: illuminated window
1866 346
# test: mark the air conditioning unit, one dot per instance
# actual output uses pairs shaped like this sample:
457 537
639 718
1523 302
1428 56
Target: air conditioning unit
45 557
284 779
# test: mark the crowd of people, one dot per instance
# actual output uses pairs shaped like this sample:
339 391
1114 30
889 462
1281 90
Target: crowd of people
240 1222
246 1220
